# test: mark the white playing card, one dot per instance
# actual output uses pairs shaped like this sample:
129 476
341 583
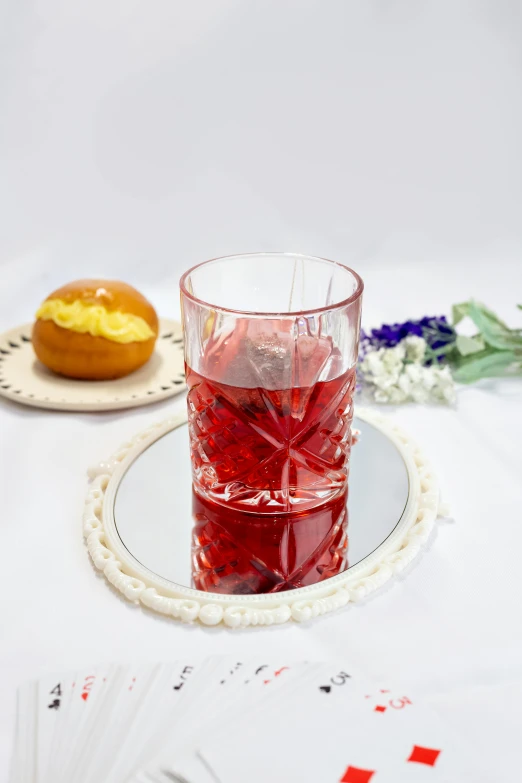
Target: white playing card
169 723
102 750
61 721
147 721
330 731
272 685
199 695
24 756
214 681
258 683
91 688
53 692
98 722
179 682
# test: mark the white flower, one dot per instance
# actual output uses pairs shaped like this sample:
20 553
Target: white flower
396 375
429 377
444 390
415 373
404 383
415 348
381 396
392 358
397 396
372 363
420 394
385 380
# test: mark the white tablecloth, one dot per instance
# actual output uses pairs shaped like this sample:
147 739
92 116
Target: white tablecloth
138 138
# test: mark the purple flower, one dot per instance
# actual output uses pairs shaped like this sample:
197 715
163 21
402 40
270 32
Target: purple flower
391 334
434 329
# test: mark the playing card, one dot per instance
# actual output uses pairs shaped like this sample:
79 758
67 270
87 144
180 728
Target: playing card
257 684
102 723
24 755
174 695
174 722
53 693
122 702
86 704
103 751
213 682
341 729
197 696
146 721
53 755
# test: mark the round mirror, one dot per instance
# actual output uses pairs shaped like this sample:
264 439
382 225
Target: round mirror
153 507
138 526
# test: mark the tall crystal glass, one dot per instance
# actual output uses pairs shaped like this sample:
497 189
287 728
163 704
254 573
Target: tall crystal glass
271 344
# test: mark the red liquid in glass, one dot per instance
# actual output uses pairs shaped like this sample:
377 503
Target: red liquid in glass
270 483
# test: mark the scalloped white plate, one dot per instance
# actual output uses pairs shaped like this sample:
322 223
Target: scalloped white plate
137 523
25 380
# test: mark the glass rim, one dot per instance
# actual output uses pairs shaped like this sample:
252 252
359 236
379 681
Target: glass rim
250 256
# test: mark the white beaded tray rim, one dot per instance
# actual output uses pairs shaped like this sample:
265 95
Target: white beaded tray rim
141 586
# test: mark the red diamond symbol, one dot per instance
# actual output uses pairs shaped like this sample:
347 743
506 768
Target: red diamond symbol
422 755
357 775
379 708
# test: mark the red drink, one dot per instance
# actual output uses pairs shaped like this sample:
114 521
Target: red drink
271 344
270 483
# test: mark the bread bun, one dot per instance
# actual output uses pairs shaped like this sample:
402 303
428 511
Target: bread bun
95 330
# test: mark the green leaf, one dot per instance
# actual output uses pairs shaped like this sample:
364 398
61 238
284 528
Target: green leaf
468 345
459 311
483 312
494 331
438 352
486 364
519 307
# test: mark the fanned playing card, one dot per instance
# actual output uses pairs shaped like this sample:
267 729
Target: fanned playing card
229 696
343 729
226 720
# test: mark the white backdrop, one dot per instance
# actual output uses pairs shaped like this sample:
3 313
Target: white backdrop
139 137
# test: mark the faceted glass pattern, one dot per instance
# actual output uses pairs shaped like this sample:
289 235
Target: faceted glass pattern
270 411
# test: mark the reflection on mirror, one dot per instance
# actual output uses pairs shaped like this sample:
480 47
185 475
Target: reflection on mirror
154 504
